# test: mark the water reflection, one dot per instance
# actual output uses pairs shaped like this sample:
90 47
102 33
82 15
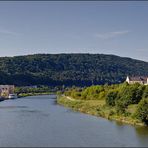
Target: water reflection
142 131
32 113
12 107
39 121
142 135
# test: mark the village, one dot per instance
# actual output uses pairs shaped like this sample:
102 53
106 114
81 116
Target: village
7 92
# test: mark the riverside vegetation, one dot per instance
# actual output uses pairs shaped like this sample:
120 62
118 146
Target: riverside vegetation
40 90
122 102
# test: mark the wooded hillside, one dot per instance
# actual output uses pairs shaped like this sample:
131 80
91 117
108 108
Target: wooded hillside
68 69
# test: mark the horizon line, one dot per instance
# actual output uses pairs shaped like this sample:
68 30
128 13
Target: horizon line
70 53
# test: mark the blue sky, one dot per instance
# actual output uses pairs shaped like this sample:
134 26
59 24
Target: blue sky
119 28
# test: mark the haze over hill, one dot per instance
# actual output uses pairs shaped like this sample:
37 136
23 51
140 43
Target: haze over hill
68 69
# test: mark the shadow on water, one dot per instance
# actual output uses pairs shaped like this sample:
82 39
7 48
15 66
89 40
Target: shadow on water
54 102
142 131
142 135
26 112
139 130
121 124
12 107
51 97
30 111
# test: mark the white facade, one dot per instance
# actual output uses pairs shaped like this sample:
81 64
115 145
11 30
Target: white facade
137 79
5 90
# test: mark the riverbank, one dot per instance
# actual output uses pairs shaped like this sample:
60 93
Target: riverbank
29 94
97 108
2 99
34 94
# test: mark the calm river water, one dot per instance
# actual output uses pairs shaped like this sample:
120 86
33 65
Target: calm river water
39 121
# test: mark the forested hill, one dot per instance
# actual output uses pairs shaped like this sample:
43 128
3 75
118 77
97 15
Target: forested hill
68 69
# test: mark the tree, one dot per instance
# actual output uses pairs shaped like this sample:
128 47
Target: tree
111 97
120 107
68 69
142 111
145 93
131 94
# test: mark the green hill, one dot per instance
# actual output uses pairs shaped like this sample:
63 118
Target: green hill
68 69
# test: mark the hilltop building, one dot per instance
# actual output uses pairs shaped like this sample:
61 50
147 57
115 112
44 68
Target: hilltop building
5 90
137 79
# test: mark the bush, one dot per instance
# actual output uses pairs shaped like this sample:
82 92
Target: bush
142 111
59 93
145 93
120 107
111 97
131 94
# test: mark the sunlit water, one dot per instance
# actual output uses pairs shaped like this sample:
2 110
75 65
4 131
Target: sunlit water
39 121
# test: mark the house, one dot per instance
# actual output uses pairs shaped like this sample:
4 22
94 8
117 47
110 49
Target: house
5 90
137 79
32 86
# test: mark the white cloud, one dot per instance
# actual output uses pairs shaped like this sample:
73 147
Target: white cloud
7 32
109 35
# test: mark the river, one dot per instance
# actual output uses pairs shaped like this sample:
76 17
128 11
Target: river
39 121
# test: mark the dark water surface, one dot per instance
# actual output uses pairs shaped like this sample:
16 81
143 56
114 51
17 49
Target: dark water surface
39 121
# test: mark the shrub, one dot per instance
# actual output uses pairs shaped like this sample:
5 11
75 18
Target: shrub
145 93
120 107
131 94
111 97
142 111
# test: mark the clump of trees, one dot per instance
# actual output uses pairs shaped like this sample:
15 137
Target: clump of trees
111 98
39 89
142 111
118 96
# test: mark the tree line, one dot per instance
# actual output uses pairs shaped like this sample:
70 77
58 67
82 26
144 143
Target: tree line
117 96
68 69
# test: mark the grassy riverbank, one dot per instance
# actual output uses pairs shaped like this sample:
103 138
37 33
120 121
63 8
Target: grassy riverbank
98 108
34 94
122 102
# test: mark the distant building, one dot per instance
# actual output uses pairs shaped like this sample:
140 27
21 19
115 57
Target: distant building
137 79
5 90
32 86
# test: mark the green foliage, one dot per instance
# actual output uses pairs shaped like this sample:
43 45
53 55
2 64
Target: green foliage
111 97
59 93
40 89
130 94
89 93
120 107
142 111
68 69
122 98
145 94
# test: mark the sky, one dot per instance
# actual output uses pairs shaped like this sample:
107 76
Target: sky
109 27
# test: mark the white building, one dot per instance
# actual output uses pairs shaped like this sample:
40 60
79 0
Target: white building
5 90
137 79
